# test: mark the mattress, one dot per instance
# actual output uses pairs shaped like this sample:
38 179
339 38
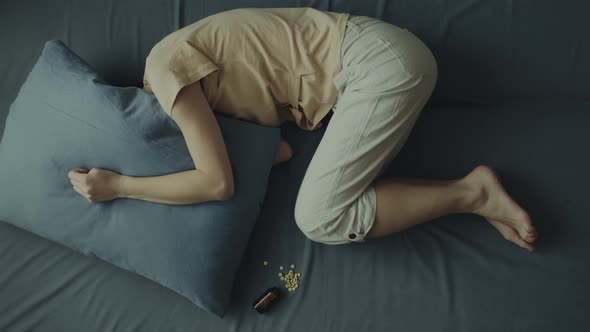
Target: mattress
455 273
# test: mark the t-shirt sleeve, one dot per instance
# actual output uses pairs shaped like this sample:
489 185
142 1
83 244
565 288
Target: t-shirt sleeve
169 68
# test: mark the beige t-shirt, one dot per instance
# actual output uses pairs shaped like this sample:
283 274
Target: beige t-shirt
264 65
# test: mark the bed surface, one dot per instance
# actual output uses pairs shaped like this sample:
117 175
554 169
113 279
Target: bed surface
456 273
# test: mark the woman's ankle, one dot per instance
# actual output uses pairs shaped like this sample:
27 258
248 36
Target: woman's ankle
473 195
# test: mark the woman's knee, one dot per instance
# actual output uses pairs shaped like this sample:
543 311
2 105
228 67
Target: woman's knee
306 220
344 225
311 220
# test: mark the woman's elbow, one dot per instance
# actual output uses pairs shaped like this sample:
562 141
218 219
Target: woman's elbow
225 190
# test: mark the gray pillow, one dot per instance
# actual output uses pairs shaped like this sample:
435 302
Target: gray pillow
64 117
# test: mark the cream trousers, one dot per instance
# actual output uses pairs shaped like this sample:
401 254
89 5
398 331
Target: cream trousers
387 76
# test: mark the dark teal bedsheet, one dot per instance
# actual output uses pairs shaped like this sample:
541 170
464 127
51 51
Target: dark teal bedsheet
512 93
456 273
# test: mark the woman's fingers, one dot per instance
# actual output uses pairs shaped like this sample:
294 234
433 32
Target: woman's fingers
284 152
73 175
80 192
75 181
78 174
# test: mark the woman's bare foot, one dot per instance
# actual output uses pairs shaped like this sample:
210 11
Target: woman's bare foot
499 209
284 152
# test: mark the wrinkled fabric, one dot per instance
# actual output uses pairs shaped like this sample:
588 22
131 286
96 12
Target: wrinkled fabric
254 64
387 77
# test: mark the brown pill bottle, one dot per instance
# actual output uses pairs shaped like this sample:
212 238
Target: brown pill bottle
265 301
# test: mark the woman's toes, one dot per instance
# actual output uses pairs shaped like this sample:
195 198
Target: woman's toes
531 234
524 244
531 237
499 205
525 227
514 237
511 234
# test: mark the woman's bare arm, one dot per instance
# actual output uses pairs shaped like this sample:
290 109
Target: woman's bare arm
213 180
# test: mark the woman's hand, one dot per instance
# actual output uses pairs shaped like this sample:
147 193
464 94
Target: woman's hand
96 184
284 152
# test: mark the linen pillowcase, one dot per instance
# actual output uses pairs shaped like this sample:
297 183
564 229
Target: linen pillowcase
65 116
